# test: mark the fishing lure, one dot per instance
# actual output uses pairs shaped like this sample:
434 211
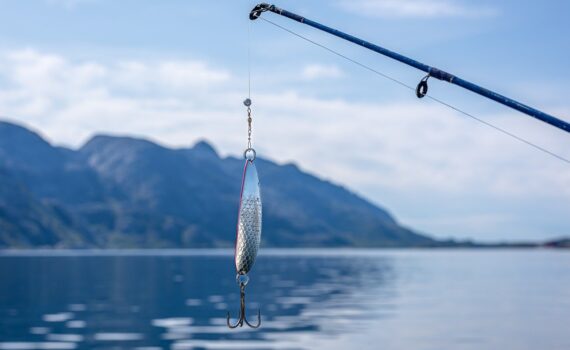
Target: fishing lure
248 235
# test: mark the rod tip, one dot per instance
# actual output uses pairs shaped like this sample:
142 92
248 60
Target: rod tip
258 10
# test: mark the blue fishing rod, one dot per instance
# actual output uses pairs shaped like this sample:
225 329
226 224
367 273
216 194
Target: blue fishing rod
422 88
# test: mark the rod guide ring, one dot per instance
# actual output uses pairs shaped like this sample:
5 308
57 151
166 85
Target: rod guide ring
422 88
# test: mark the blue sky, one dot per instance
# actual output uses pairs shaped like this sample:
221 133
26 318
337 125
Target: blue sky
176 72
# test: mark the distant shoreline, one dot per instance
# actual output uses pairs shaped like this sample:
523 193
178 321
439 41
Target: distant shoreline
265 251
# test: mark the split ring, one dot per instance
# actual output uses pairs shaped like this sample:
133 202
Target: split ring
249 154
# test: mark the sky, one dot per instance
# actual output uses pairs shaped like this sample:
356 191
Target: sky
176 72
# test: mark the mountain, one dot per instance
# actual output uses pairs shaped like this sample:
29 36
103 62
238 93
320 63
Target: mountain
129 192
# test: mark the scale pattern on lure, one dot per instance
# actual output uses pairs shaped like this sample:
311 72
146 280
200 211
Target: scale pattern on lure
249 220
248 232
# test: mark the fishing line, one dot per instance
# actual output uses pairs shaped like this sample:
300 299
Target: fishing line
248 230
249 60
443 103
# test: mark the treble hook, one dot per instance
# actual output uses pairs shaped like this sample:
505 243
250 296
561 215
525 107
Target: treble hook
242 317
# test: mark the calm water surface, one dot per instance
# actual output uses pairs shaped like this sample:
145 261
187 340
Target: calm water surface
332 299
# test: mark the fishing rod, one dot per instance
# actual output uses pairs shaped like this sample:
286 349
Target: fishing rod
422 87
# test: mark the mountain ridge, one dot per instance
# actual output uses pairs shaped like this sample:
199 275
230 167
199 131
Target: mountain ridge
123 191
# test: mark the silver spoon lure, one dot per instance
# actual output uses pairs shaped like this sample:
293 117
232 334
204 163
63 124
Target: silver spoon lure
248 235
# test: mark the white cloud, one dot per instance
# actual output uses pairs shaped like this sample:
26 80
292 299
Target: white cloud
70 100
412 149
320 71
416 8
420 146
414 145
